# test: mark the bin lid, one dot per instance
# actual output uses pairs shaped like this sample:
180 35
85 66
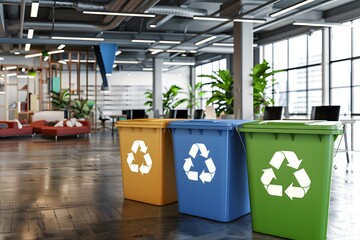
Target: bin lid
221 124
145 123
292 126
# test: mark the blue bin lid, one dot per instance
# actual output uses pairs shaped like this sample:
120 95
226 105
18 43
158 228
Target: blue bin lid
210 124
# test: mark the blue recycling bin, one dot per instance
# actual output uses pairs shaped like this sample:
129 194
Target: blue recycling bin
210 169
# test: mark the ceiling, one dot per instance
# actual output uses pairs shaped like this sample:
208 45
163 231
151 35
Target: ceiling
174 22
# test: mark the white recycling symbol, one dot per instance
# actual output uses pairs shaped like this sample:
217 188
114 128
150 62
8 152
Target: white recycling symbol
211 168
300 175
144 168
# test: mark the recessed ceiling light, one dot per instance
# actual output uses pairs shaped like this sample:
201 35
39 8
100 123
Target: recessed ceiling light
142 41
205 40
169 42
61 46
30 34
292 7
34 9
125 14
77 38
27 47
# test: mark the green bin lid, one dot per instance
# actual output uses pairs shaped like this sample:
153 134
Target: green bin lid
144 123
292 126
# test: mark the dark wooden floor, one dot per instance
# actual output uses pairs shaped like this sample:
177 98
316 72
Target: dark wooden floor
72 189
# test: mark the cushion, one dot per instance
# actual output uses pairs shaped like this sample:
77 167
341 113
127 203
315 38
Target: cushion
78 124
51 123
69 123
59 124
20 126
38 123
3 125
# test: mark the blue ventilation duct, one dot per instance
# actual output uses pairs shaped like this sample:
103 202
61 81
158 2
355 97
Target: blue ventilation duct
105 56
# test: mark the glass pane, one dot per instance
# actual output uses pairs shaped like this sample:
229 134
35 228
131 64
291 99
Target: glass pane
356 36
297 51
340 74
314 99
356 142
315 77
280 55
297 102
268 54
340 42
223 64
315 47
280 82
341 96
280 99
297 79
356 69
356 100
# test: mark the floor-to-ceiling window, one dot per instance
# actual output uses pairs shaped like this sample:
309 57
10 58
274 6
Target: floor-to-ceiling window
208 68
298 87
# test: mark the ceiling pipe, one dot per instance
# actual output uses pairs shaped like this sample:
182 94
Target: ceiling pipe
65 4
22 17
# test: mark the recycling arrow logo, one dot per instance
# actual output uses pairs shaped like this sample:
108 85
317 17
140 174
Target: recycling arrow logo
144 168
205 176
300 175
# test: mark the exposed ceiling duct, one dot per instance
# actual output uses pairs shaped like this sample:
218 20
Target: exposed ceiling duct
177 11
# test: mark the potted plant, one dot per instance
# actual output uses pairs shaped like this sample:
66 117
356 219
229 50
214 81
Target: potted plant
193 95
169 97
60 100
81 108
262 86
222 96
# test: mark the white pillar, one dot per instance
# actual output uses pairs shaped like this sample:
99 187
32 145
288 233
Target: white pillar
242 65
325 66
157 87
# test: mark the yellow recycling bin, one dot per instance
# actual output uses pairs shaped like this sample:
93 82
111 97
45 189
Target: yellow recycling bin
147 161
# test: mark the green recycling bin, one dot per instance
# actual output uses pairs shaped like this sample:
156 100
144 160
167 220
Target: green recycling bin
289 170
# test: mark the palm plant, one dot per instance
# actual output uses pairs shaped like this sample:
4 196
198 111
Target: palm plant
169 97
60 100
261 86
222 96
81 108
193 95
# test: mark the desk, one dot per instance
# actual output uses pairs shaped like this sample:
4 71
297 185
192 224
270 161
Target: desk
115 117
345 122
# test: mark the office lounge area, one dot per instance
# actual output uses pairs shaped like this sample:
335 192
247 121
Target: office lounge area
73 188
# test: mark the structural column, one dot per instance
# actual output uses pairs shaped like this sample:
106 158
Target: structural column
325 66
157 87
242 65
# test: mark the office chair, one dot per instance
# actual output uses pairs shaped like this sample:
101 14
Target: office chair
273 113
102 118
199 114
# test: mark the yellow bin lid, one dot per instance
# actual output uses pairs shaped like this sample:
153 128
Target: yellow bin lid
145 123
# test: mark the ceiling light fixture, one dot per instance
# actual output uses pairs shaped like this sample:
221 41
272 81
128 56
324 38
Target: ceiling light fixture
142 41
292 7
126 62
17 53
62 62
205 40
27 47
223 44
250 20
46 58
217 19
150 69
11 68
34 9
1 58
323 24
169 42
30 34
179 63
124 14
176 50
118 52
56 51
33 55
61 46
77 38
152 25
11 74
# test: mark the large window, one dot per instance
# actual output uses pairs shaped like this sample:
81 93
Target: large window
298 87
209 69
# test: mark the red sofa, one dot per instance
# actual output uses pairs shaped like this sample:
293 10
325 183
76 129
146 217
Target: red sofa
67 131
14 130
